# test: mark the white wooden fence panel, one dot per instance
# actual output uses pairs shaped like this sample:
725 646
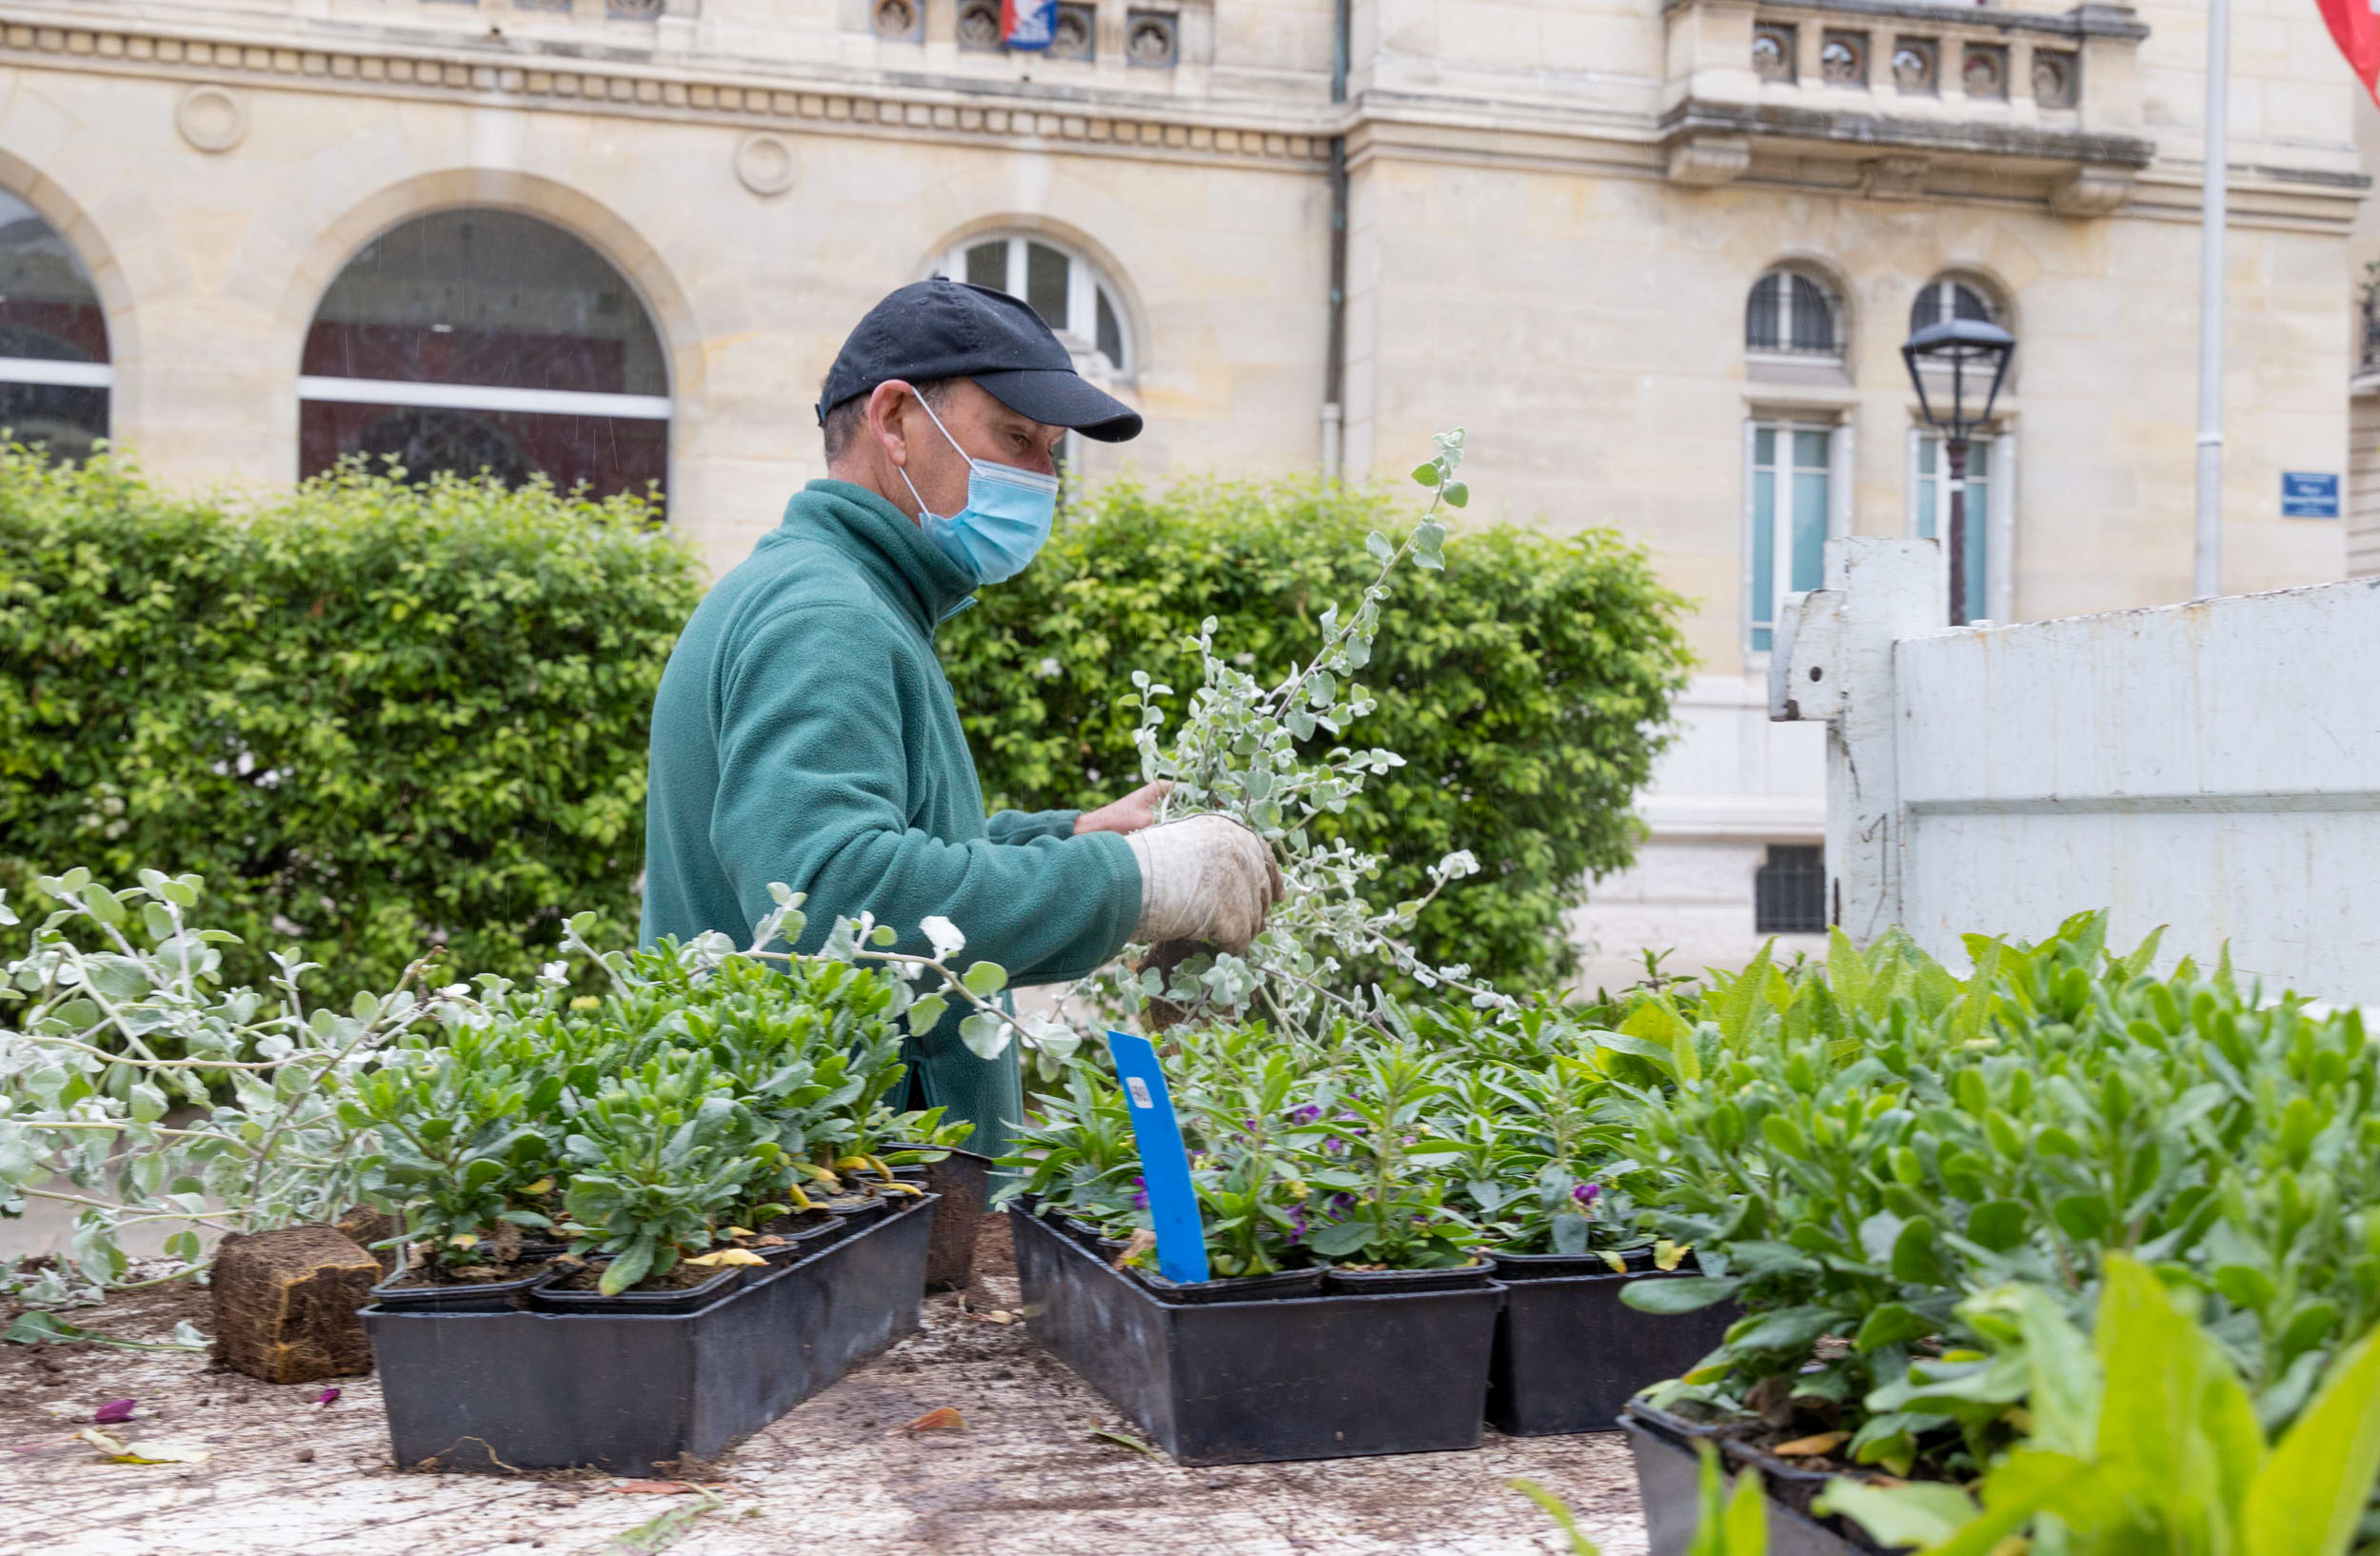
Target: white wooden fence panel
2213 767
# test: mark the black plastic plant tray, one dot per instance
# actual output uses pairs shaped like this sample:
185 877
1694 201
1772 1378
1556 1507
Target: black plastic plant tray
1568 1353
1669 1479
630 1392
1258 1381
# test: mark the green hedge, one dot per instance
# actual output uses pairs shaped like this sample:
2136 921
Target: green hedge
1527 685
374 716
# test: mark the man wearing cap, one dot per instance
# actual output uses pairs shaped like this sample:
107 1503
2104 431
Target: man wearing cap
804 733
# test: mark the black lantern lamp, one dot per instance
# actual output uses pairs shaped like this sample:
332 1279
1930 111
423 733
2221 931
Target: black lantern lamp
1974 354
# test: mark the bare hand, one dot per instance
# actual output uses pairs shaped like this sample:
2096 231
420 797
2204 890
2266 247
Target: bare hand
1129 814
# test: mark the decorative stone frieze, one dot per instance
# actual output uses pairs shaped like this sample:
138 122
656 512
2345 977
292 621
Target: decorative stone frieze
535 80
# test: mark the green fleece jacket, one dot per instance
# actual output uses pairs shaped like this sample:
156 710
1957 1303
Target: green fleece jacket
804 733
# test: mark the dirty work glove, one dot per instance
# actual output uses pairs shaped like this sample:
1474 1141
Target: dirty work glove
1206 878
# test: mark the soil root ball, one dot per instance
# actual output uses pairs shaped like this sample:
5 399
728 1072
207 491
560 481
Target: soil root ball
286 1303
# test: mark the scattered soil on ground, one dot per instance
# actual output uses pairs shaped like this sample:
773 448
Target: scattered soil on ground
1029 1474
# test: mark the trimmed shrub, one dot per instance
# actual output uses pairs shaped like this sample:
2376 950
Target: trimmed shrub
376 717
1527 685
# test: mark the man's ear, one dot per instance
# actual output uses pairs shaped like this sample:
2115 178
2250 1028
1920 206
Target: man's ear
884 406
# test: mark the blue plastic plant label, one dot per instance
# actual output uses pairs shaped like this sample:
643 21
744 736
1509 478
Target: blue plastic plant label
1164 1164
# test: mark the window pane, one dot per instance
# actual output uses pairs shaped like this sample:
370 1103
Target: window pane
1809 563
1045 283
486 297
1764 446
1809 451
48 307
1763 555
1789 892
61 420
1764 326
1111 341
610 453
1970 303
987 264
1814 317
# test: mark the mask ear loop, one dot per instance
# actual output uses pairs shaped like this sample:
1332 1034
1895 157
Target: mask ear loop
924 511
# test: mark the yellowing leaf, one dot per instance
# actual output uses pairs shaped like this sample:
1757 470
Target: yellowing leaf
726 1256
1667 1256
1810 1447
120 1452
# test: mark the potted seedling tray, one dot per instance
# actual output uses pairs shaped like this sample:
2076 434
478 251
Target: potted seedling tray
630 1393
1669 1473
1568 1353
1221 1383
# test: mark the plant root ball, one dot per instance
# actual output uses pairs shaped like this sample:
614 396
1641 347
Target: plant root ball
286 1303
364 1226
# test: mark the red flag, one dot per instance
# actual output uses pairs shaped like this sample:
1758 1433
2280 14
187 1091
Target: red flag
2355 28
1029 24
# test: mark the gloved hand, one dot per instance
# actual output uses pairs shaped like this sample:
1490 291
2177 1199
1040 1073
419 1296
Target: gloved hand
1204 878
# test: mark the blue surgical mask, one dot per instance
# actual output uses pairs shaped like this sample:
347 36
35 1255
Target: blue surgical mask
1006 523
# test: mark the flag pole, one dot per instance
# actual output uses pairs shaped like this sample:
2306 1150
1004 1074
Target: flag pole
2207 570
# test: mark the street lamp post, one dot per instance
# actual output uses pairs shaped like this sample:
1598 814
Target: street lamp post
1975 353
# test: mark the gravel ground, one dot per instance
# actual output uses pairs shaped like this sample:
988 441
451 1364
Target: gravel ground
844 1472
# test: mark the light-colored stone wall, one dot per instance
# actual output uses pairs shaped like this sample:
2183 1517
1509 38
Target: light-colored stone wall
211 265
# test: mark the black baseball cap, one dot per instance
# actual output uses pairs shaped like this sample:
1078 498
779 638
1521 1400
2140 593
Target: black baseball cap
946 328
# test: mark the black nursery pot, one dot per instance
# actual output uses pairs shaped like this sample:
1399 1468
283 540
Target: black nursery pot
628 1392
1389 1283
476 1297
1257 1382
1278 1287
552 1299
1669 1479
1570 1353
1548 1266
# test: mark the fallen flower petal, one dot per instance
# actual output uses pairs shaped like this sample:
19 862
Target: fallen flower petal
1000 1316
113 1411
942 1418
654 1488
328 1396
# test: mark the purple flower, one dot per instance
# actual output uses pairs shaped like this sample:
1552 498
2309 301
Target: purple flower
1306 1114
1139 1202
1586 1193
1296 1223
1140 1196
1334 1145
115 1410
1341 1204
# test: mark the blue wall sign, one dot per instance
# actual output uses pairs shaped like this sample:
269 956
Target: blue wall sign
1164 1164
2307 494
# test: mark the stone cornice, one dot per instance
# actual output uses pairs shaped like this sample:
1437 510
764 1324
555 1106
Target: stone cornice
1963 137
512 74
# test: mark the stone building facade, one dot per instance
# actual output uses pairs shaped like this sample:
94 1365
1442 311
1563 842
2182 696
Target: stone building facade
1657 255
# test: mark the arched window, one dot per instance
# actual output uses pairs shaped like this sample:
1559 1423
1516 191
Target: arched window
1791 313
54 375
485 340
1948 297
1064 287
